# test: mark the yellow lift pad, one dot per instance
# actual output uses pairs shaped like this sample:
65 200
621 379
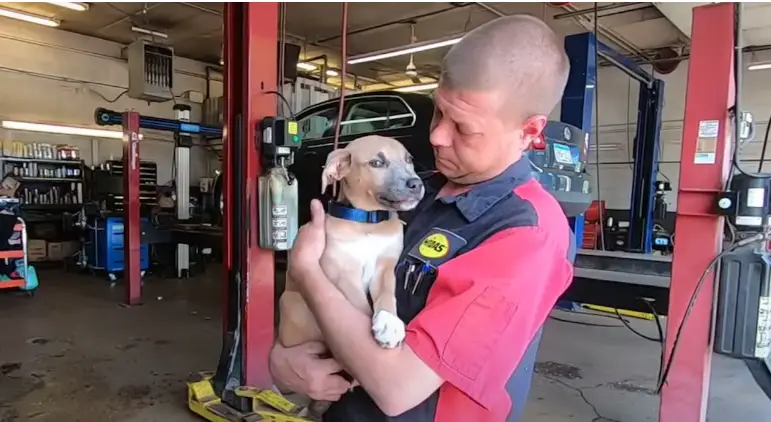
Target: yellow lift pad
266 405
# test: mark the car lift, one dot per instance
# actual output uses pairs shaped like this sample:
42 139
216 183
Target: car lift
576 109
240 389
602 277
183 131
704 169
250 51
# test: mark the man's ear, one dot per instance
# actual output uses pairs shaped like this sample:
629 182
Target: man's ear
337 167
532 129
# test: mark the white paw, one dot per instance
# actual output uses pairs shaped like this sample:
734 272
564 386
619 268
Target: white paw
388 329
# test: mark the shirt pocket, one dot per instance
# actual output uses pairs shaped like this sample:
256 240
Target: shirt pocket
477 332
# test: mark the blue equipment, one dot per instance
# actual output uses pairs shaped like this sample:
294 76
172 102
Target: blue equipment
104 117
104 250
558 164
576 109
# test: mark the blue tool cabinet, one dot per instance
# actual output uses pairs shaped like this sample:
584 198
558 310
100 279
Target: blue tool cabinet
104 250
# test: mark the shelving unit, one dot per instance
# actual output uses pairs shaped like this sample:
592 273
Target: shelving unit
47 184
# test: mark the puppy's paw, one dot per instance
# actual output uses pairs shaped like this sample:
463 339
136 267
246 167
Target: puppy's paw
388 329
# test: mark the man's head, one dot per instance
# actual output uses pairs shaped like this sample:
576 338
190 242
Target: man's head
497 88
376 173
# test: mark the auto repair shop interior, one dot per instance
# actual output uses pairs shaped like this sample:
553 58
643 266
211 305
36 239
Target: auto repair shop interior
129 143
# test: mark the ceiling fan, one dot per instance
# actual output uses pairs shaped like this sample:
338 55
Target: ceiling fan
411 70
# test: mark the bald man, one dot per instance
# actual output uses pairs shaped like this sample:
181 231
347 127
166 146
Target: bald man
475 304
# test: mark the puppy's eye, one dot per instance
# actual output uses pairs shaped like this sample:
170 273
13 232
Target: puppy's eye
377 163
408 159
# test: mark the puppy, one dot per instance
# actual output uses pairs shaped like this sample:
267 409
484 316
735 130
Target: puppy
375 174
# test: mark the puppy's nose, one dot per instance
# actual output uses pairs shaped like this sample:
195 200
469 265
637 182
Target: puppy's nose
414 184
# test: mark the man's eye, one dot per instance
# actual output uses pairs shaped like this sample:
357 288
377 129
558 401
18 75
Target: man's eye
376 163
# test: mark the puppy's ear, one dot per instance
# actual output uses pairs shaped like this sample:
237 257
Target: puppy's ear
338 166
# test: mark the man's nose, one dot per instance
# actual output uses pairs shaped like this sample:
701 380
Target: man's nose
414 184
440 135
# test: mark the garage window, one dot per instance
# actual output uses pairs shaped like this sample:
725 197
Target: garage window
375 115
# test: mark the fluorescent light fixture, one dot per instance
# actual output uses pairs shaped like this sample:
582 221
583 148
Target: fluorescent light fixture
149 32
404 50
78 7
306 66
62 130
759 66
28 17
415 88
310 67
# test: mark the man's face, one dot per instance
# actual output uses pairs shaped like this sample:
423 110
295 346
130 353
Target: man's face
472 137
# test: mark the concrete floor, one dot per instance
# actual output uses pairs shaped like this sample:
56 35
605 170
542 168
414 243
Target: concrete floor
72 354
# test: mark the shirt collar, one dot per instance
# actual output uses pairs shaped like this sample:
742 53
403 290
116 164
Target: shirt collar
475 202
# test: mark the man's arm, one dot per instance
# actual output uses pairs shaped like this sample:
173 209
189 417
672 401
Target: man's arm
348 334
482 313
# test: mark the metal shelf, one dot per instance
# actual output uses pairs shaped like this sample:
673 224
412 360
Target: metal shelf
40 160
48 179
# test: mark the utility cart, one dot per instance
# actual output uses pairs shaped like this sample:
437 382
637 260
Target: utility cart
15 271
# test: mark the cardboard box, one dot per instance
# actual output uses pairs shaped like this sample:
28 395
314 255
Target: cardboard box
55 251
36 250
58 251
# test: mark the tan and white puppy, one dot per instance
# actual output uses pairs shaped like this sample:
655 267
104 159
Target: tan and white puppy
375 173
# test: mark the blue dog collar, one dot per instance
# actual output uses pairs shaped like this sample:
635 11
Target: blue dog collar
336 209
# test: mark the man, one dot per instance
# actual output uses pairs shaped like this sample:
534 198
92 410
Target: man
482 297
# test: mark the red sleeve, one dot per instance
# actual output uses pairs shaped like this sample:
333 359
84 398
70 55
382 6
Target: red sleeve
486 306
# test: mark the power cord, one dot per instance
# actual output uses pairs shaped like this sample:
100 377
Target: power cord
285 101
737 114
616 316
765 144
600 208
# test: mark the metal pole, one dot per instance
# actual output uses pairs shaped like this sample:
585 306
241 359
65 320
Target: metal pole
705 166
251 36
182 144
131 223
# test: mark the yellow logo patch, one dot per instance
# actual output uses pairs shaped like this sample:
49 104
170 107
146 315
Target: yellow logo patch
434 246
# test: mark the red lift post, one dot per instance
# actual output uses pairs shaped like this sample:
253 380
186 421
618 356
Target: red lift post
251 58
704 170
131 223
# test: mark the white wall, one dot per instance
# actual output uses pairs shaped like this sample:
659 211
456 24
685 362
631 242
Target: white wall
617 128
52 76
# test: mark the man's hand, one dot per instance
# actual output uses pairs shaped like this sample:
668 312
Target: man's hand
301 370
308 247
